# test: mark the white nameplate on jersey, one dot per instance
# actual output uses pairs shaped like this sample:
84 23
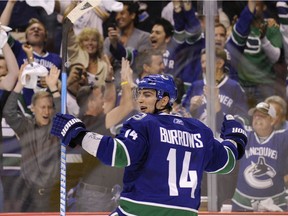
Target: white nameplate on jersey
182 138
90 142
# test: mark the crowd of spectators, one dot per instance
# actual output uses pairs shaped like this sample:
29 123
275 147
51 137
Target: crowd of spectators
108 52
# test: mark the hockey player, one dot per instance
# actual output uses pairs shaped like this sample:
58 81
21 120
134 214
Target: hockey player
164 155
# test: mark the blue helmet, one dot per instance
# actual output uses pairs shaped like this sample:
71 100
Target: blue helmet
160 83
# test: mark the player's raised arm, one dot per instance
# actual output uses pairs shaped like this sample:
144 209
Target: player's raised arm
234 132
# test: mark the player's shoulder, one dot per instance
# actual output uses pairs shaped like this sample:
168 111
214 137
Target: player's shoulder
148 118
140 122
139 117
190 122
196 123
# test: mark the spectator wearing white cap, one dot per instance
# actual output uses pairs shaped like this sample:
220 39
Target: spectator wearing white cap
260 183
280 106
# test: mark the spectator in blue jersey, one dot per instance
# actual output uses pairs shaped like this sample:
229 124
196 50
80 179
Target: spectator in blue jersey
260 183
281 122
164 155
124 37
280 107
36 36
40 165
20 17
230 97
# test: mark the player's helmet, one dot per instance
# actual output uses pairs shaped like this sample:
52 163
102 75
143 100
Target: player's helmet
162 84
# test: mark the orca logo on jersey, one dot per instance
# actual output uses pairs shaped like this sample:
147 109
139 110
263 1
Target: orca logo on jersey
239 130
259 175
68 125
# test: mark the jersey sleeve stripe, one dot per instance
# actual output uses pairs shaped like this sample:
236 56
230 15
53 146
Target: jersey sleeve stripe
237 38
146 208
120 157
229 165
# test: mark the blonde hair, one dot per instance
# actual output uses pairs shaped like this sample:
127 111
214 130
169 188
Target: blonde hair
87 32
41 94
32 21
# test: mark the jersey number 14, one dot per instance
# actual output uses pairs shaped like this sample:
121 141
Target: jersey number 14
188 178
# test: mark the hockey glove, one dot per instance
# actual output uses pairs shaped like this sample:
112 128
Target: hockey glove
233 130
67 127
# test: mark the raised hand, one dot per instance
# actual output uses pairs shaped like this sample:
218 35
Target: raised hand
28 49
195 102
51 80
67 127
110 72
177 5
113 34
126 72
234 130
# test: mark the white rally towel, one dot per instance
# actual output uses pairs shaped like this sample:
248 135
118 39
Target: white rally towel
268 205
31 73
48 5
112 5
86 5
3 35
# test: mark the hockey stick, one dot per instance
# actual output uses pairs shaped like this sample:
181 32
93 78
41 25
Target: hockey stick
75 14
66 26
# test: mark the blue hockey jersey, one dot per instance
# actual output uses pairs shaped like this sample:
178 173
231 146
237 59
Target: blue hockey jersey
231 96
165 157
262 170
48 60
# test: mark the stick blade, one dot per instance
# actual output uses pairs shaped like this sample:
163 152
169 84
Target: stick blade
82 8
